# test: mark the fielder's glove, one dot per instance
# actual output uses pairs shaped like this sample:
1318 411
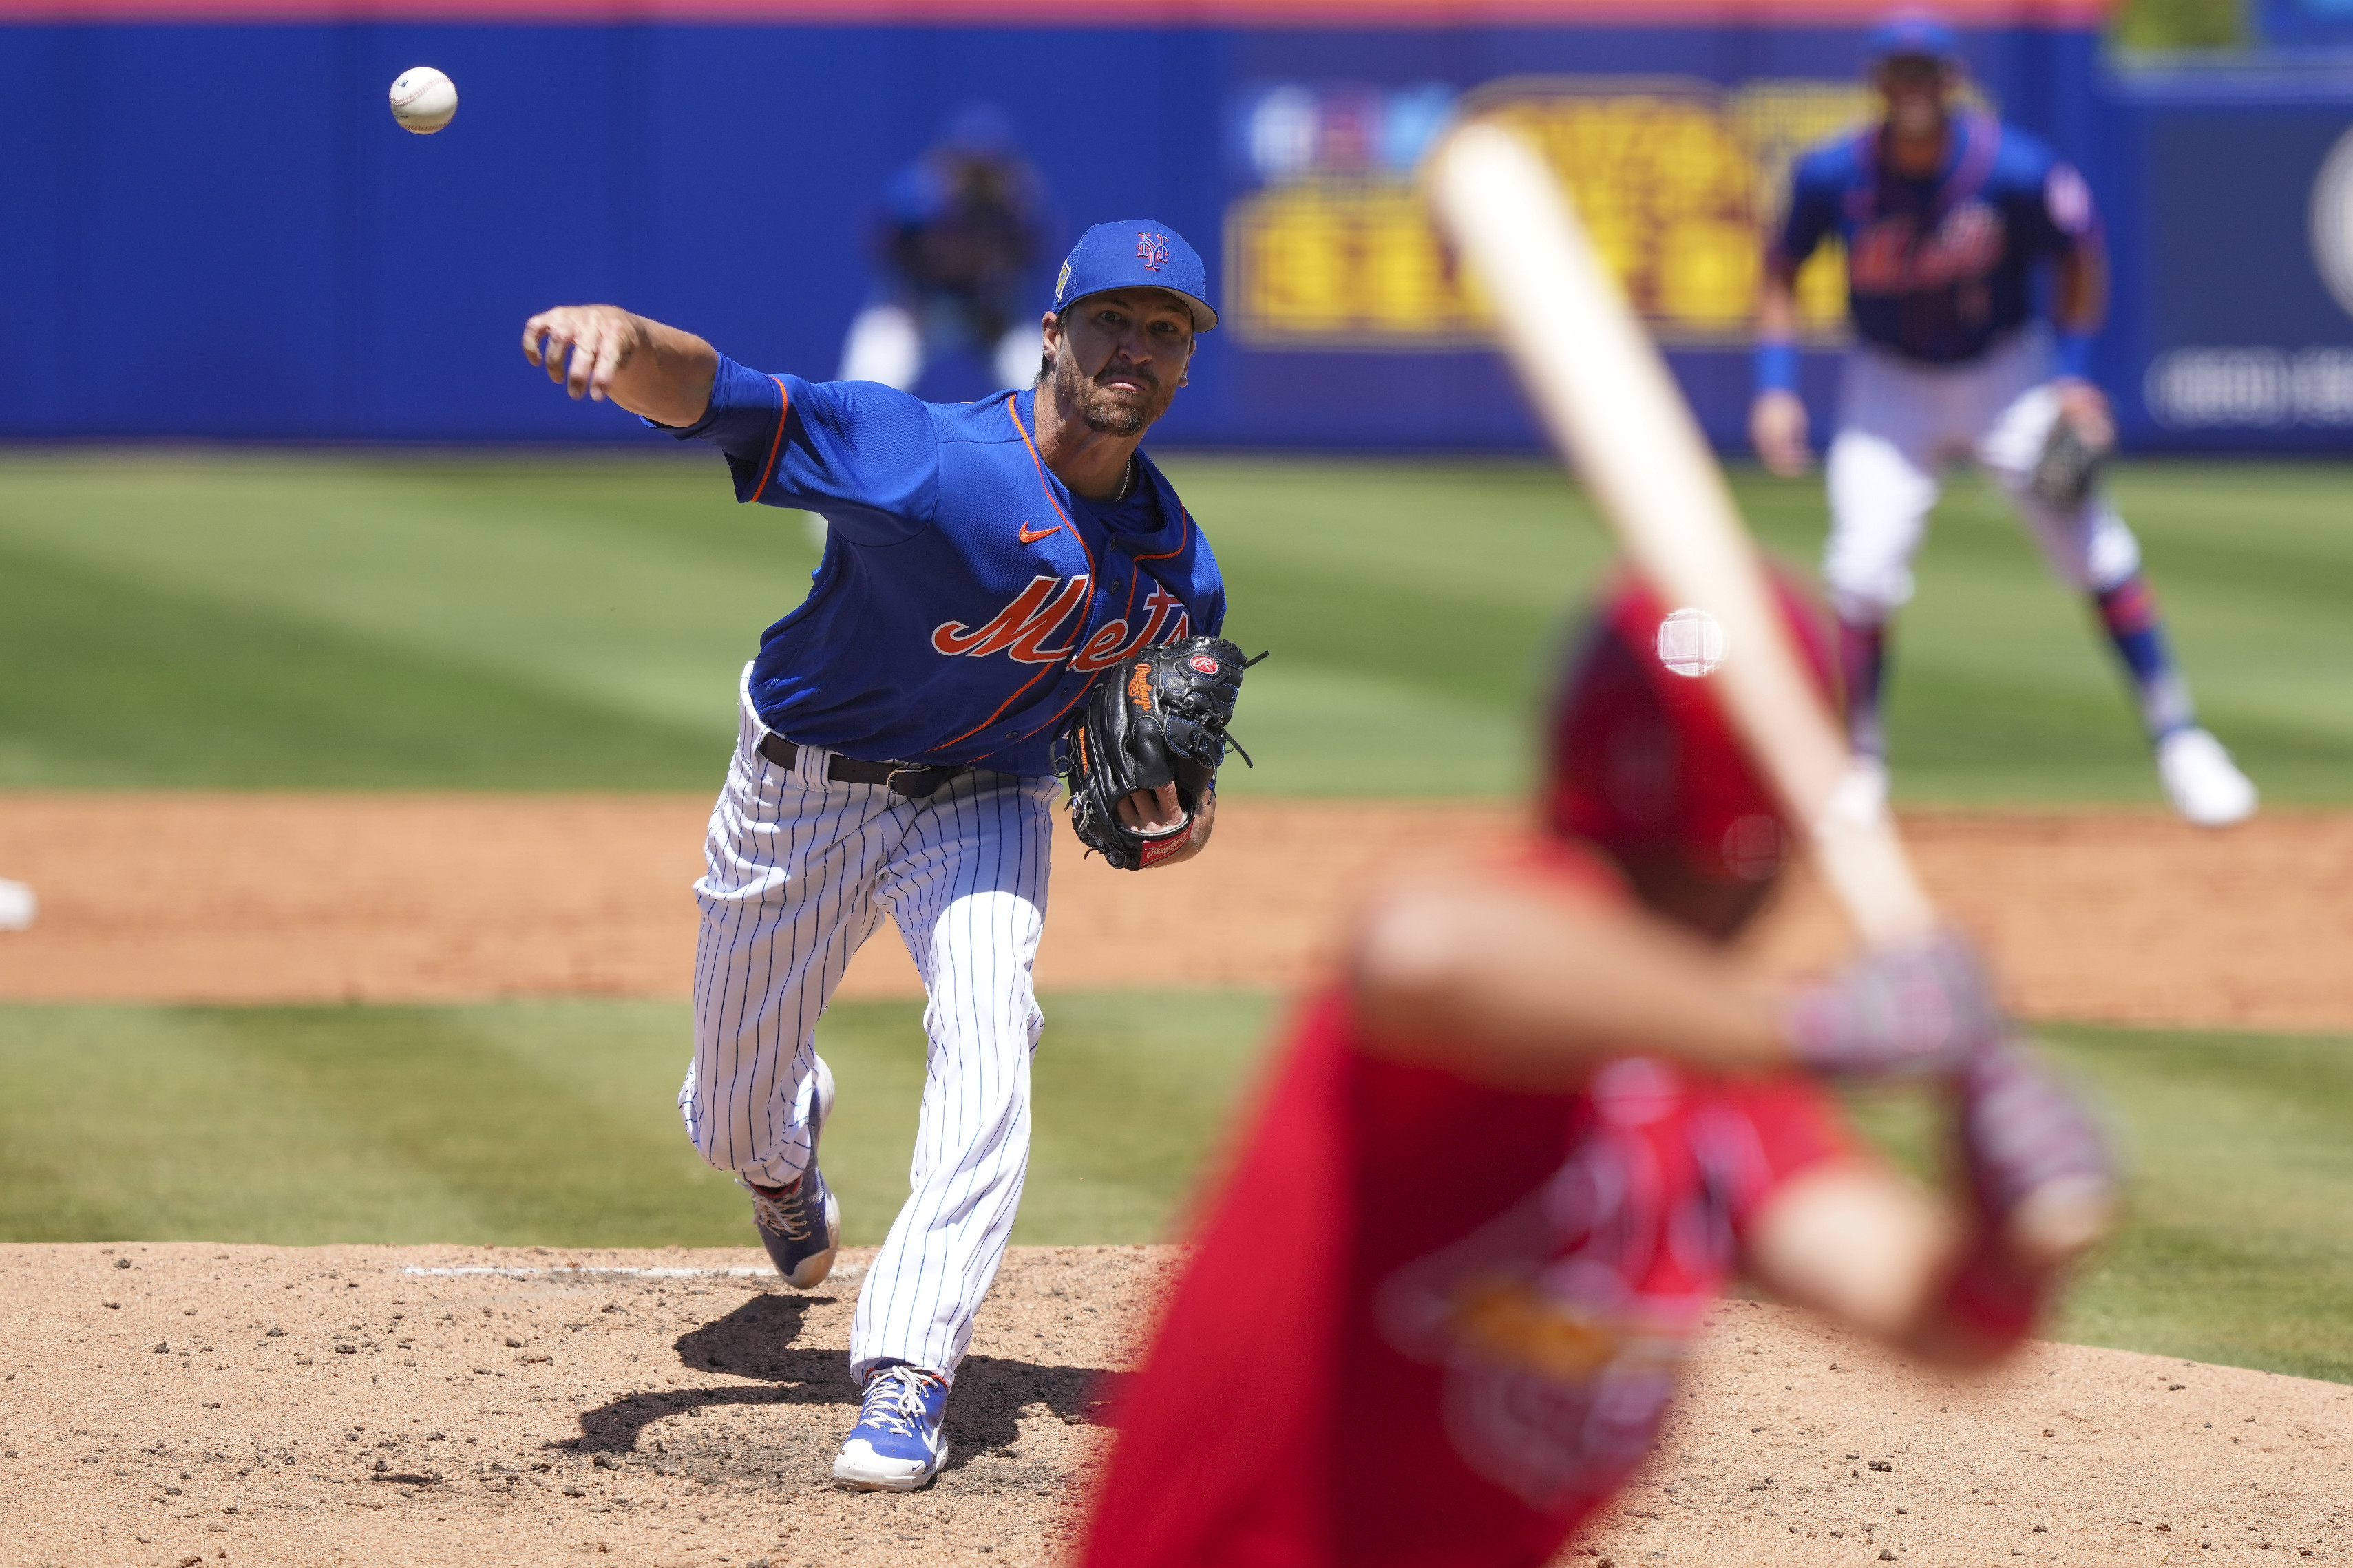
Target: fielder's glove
1922 1010
1149 715
2065 472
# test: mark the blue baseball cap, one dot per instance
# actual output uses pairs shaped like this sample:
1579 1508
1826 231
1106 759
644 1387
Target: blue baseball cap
1136 253
1919 33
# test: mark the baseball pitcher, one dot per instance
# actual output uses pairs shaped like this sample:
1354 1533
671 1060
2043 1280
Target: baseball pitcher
986 566
1948 216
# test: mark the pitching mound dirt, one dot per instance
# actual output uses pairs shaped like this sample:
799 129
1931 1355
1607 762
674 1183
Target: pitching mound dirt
2120 915
178 1404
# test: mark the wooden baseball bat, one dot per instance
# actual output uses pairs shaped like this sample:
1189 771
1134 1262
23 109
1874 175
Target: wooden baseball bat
1606 398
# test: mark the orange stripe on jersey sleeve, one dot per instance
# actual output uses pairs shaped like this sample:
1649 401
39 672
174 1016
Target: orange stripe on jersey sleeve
776 446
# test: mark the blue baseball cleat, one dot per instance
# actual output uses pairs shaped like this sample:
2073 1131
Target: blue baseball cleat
897 1445
801 1225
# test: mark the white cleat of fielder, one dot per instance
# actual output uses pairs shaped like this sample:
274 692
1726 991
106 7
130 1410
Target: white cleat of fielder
18 906
2204 786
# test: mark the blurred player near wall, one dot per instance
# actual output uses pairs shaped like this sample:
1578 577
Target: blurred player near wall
956 237
1436 1311
1976 280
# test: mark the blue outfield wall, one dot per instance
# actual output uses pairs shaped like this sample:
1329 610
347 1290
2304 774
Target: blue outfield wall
2232 190
216 231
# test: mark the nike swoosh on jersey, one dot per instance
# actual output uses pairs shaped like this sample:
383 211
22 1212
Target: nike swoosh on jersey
1028 538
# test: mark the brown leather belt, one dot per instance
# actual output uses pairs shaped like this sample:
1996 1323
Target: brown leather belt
914 780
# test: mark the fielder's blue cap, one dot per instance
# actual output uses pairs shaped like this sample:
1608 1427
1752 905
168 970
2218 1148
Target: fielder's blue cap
1136 253
1919 33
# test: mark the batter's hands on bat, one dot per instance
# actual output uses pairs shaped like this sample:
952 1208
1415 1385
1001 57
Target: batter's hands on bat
598 352
1916 1011
1778 428
2041 1172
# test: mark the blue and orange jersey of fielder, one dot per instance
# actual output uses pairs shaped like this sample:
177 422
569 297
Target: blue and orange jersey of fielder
967 599
1938 268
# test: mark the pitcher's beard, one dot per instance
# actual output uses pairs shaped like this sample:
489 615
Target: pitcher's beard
1108 419
1104 415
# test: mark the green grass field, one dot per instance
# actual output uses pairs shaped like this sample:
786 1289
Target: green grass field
574 623
236 620
550 1124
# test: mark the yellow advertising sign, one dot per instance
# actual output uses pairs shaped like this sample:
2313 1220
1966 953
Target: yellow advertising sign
1675 180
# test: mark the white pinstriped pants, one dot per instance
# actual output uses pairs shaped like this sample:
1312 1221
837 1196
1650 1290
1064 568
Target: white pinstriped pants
799 872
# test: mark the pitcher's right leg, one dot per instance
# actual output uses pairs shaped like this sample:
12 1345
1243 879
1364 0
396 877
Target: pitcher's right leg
786 897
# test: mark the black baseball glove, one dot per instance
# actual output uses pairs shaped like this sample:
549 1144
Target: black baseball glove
2067 465
1156 718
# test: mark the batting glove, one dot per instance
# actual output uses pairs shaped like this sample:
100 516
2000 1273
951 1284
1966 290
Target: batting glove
2032 1144
1913 1012
2044 1185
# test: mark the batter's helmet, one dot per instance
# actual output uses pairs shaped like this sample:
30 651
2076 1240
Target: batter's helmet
1645 762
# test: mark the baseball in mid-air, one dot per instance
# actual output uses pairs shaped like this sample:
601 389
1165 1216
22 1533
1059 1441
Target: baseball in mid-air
424 99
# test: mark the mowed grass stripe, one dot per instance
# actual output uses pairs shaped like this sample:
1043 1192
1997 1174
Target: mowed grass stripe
115 682
2237 1245
549 1122
554 1123
530 622
2241 1235
306 1125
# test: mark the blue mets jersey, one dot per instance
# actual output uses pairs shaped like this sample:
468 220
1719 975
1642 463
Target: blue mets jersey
966 599
1938 269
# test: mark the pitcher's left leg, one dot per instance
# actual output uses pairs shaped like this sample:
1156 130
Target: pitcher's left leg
968 893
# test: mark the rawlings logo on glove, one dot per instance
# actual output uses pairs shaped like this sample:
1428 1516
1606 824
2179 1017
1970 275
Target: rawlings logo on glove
1161 722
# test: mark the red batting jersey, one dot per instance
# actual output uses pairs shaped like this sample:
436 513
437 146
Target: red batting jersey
1429 1322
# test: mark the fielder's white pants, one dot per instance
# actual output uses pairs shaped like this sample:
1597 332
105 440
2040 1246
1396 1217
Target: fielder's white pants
799 871
1900 422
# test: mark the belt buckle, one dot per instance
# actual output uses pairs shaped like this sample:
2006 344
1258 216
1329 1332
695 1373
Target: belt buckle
906 770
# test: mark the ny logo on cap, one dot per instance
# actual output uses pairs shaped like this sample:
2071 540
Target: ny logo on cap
1153 247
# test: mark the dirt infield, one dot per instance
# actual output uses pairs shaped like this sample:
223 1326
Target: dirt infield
2124 916
192 1404
186 1404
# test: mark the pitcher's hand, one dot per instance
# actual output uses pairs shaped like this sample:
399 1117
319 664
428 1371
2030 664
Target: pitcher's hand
599 339
1149 809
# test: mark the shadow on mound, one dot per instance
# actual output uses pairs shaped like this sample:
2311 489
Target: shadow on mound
756 1341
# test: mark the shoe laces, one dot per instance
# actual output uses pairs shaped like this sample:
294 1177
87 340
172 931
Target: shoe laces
784 1212
894 1399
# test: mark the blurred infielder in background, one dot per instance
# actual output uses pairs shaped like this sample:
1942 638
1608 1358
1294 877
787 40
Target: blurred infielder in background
986 563
956 238
1948 216
1436 1313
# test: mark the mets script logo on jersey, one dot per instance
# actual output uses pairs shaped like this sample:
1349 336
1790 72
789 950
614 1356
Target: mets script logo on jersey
1153 247
1023 630
1892 257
